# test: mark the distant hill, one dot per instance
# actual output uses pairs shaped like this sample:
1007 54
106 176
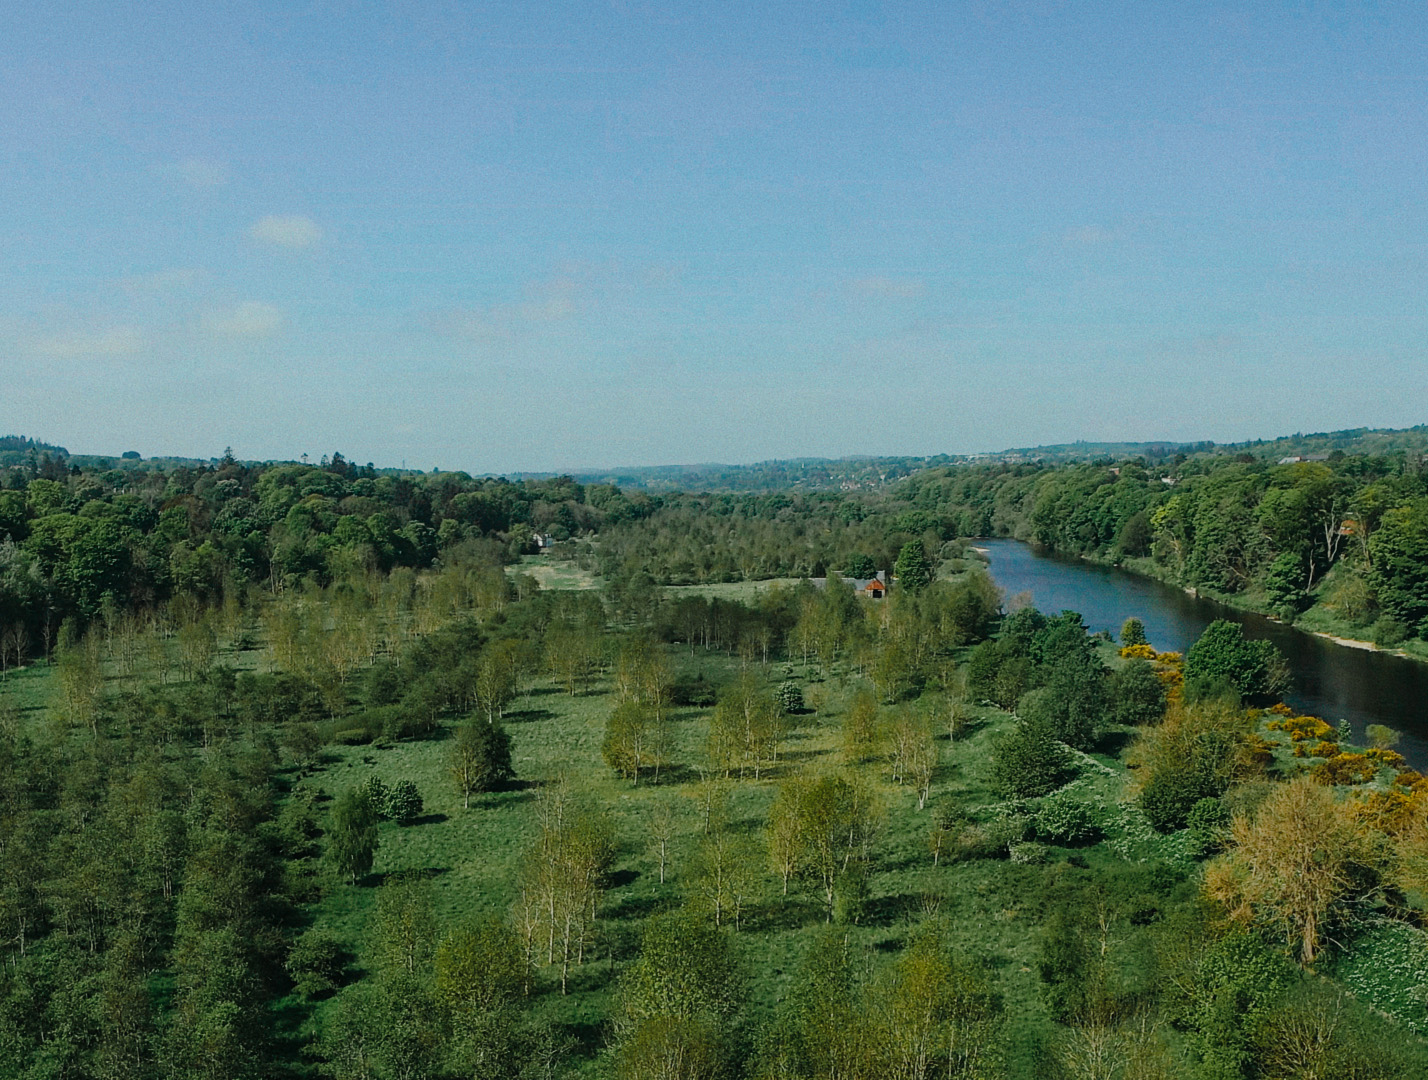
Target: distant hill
811 474
858 473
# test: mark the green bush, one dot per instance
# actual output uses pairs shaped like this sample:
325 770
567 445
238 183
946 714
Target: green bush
1170 794
353 736
1209 825
404 802
399 721
378 794
697 692
1063 820
790 698
850 894
1254 668
316 963
1028 852
1137 694
384 684
1388 632
998 836
1028 763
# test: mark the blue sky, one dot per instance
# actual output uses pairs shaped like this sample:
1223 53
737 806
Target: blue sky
540 236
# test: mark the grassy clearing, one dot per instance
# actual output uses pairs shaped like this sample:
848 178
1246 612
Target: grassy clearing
556 573
743 591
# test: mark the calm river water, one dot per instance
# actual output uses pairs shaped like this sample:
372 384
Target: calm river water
1332 681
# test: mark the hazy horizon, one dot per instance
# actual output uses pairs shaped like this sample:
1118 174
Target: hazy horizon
579 468
516 240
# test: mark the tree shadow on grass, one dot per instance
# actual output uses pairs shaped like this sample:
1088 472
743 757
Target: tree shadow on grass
497 800
287 1039
430 819
669 774
792 912
589 1038
889 910
596 973
909 860
528 716
970 726
374 881
634 908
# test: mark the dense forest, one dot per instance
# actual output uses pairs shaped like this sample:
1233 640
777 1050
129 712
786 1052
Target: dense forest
321 771
123 543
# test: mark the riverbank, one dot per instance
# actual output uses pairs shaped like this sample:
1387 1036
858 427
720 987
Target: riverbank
1312 621
1355 683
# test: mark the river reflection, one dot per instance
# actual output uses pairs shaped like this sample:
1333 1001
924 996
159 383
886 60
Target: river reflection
1332 681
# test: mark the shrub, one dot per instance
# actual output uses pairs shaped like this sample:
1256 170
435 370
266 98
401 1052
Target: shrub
1063 820
1028 852
356 736
1028 764
384 684
1209 825
399 721
850 894
1301 728
1392 758
1133 633
1170 794
377 794
1388 632
998 836
1346 769
404 803
1211 690
1253 668
790 698
316 963
698 692
1138 694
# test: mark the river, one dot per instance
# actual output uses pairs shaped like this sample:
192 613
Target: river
1330 680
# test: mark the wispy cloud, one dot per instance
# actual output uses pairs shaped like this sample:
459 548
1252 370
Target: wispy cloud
201 173
888 288
251 319
546 302
86 344
1087 236
173 279
289 231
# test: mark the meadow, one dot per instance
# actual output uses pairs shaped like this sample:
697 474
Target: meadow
996 905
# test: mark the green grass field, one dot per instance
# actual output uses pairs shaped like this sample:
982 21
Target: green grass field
993 909
555 573
474 856
743 591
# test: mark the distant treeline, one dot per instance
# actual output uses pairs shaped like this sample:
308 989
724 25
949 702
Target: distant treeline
695 539
87 544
